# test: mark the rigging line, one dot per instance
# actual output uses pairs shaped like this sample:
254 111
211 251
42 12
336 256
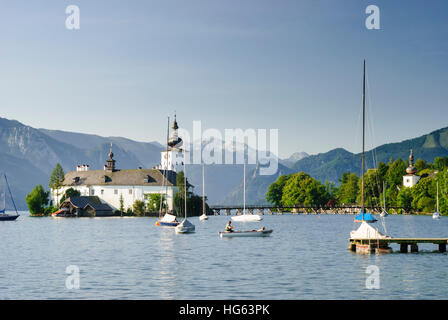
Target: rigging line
10 194
372 134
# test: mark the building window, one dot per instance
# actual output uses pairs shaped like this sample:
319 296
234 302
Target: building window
407 180
102 191
130 191
116 191
92 192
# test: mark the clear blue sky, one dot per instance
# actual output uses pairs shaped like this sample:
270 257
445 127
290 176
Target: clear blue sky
291 65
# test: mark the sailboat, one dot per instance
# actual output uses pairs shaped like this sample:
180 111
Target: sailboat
168 220
366 234
384 213
203 217
3 215
246 217
436 215
185 226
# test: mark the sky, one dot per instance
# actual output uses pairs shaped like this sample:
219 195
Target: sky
295 66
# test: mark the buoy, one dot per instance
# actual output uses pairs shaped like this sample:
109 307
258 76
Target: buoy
157 223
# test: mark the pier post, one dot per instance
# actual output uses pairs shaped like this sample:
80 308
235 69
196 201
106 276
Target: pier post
442 247
352 246
403 247
227 212
414 247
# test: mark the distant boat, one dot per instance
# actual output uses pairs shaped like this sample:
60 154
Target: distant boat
3 215
246 217
365 230
384 213
436 215
203 217
251 233
185 226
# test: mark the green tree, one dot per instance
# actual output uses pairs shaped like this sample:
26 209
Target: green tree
275 190
56 180
349 188
301 189
69 193
404 197
440 163
37 200
121 204
421 164
423 195
154 201
139 208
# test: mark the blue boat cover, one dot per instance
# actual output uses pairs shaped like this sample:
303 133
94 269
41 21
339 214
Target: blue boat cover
367 217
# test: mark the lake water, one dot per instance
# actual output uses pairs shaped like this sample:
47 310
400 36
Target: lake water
306 257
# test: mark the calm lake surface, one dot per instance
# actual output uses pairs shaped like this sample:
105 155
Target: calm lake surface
306 257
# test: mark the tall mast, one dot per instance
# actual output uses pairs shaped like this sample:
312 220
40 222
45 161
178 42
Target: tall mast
166 186
244 187
437 196
363 136
203 190
185 183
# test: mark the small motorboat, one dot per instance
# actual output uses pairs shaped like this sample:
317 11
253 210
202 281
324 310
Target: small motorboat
203 217
250 233
436 215
185 227
168 220
63 212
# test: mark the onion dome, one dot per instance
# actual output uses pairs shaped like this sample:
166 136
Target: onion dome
411 169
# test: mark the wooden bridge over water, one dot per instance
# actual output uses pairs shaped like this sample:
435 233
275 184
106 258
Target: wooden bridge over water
271 209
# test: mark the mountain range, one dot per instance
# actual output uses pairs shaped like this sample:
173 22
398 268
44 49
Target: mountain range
28 155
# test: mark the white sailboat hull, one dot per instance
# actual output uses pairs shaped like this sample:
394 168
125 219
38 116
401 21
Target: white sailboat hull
203 217
247 218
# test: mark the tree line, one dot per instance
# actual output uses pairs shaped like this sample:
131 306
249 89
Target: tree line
300 189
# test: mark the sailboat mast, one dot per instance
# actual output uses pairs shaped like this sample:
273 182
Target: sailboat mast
437 196
167 146
203 189
185 184
363 136
244 187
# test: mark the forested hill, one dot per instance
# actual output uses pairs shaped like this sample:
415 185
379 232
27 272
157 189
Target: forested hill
330 165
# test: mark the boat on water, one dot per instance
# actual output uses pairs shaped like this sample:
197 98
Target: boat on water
249 233
436 215
246 217
63 212
3 215
204 216
364 237
185 226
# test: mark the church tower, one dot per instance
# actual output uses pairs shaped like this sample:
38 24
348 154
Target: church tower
410 179
172 157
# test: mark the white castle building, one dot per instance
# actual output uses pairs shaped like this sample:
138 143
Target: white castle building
411 179
112 184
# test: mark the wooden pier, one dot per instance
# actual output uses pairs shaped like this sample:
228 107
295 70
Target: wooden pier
382 245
